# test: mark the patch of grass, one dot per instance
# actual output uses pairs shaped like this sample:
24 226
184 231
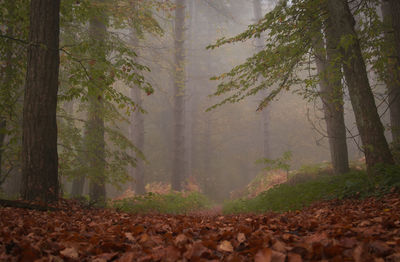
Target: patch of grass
287 196
171 203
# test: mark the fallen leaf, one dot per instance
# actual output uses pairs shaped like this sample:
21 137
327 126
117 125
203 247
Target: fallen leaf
70 252
241 237
225 246
264 255
293 257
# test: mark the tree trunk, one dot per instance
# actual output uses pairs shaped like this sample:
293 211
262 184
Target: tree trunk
179 96
393 73
137 137
95 125
395 13
340 28
265 112
331 93
6 79
2 137
77 187
39 139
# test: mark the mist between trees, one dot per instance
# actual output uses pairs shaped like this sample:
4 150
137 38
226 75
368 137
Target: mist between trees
138 98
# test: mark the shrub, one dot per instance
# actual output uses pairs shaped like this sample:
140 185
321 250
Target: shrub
287 196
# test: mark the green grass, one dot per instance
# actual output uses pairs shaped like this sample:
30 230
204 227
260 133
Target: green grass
171 203
289 196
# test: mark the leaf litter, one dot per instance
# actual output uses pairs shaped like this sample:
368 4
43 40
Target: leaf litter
337 230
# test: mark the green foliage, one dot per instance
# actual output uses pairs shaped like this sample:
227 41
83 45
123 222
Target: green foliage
91 64
286 197
289 32
172 203
279 163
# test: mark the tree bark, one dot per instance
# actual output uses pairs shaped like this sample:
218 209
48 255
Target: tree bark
39 139
179 96
340 29
331 93
95 125
137 137
395 17
393 72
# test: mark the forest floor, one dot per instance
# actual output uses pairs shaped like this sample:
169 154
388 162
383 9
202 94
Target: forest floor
345 230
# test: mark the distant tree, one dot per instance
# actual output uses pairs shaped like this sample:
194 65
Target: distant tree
178 166
15 18
265 113
341 35
39 140
95 140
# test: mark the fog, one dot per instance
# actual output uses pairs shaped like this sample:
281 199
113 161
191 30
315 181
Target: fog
216 148
222 145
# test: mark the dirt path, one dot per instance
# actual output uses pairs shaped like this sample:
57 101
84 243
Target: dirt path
350 230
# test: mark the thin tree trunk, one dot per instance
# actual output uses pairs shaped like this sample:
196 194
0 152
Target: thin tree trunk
179 96
331 93
39 139
95 125
77 187
78 183
393 73
340 26
137 137
257 8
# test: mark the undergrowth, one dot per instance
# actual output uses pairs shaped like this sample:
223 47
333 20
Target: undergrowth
171 203
324 186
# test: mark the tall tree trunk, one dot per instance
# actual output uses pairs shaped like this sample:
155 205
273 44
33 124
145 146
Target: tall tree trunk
39 139
395 13
137 137
179 98
393 73
331 93
340 27
95 125
257 8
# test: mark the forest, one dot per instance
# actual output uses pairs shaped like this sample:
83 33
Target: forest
200 130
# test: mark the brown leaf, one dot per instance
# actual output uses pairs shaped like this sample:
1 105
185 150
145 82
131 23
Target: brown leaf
293 257
70 252
279 246
225 246
278 256
129 236
264 255
241 237
380 248
180 239
126 257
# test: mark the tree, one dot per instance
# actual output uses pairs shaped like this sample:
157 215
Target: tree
15 17
179 98
265 112
331 93
392 76
95 140
136 131
39 139
341 35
